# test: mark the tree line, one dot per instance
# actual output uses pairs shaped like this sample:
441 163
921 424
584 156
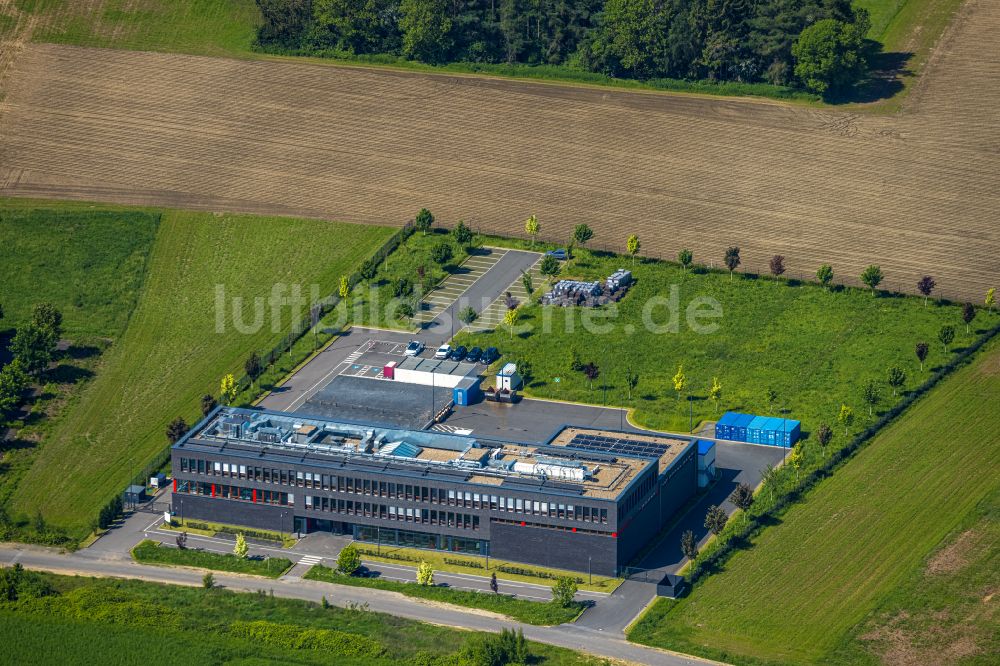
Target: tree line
818 45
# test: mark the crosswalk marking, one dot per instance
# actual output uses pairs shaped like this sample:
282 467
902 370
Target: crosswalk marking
451 430
310 560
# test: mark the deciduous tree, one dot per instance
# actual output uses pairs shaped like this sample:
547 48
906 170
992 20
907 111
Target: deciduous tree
732 260
631 381
13 381
921 350
241 549
742 498
896 379
830 55
33 347
426 28
632 244
344 290
872 277
591 371
531 227
462 234
777 265
925 286
715 519
991 298
424 221
946 335
349 559
510 320
871 393
527 283
252 367
227 389
825 275
689 545
467 315
968 314
823 435
679 381
685 257
425 574
715 393
564 591
845 417
550 266
582 233
177 429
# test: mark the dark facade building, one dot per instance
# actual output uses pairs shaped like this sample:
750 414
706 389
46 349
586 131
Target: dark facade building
586 500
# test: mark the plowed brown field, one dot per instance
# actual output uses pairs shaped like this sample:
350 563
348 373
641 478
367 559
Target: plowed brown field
918 193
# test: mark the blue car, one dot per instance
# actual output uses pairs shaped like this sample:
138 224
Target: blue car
559 254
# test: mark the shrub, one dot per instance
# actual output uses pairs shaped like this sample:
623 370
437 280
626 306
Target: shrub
472 564
349 560
442 253
402 287
564 591
208 581
296 638
507 647
404 311
467 315
425 574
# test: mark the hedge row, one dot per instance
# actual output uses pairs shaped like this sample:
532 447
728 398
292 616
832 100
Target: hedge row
506 568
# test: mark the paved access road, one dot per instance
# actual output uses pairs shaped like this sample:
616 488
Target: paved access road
569 636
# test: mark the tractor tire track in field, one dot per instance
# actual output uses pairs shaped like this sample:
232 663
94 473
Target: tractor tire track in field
917 193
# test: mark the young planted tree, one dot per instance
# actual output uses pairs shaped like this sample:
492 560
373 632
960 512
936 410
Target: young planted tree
462 234
715 519
823 435
732 260
34 347
48 319
715 393
685 257
925 286
770 395
632 244
825 275
404 311
177 429
344 290
991 298
425 574
208 581
13 381
871 393
349 560
769 479
795 459
968 314
742 498
777 265
631 381
872 277
510 320
252 367
527 283
689 545
946 335
550 267
441 253
531 227
227 389
509 301
241 549
424 220
581 234
679 381
467 315
896 379
921 351
591 371
845 417
564 591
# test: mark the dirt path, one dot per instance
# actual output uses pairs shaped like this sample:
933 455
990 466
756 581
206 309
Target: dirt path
917 193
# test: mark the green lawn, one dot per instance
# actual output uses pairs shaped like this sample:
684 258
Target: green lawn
815 348
89 264
832 560
522 610
134 622
152 552
171 352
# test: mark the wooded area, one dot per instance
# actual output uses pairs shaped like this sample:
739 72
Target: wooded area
814 44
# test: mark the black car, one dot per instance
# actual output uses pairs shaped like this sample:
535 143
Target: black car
474 355
458 353
489 356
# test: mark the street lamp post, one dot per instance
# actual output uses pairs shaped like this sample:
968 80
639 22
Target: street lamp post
590 571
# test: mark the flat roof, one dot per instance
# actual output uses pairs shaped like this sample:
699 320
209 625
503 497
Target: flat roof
664 448
429 454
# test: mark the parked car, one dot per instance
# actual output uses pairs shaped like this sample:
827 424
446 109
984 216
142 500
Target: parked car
443 351
474 355
414 348
489 356
559 254
458 353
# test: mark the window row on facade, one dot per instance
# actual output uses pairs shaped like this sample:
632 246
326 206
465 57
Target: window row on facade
389 512
392 490
225 491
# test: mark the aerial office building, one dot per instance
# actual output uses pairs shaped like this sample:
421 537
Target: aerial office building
586 500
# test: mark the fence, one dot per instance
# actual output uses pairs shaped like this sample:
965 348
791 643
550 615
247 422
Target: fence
754 524
298 329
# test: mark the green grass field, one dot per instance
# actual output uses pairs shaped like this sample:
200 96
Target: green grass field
522 610
815 348
89 264
135 622
228 28
171 352
832 560
152 552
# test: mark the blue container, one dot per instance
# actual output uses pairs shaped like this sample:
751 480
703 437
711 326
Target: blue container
724 426
740 428
756 429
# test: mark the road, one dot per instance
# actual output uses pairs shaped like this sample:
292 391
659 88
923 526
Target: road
292 587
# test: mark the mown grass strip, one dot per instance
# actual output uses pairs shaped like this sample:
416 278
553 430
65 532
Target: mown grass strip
152 552
530 612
